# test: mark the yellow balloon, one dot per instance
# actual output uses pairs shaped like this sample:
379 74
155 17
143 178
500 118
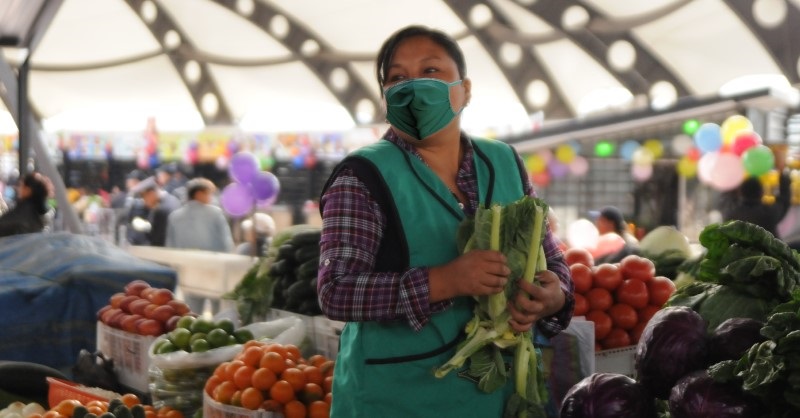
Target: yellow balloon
565 154
535 163
770 178
686 167
732 126
655 146
642 156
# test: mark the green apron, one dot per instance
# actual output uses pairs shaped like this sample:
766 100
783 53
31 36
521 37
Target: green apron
385 369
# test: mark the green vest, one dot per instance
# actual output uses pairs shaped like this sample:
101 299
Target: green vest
385 369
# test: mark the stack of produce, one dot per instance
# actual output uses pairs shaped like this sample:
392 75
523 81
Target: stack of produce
274 377
620 298
142 309
286 278
126 406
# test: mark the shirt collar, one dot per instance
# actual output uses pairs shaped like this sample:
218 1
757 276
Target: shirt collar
392 137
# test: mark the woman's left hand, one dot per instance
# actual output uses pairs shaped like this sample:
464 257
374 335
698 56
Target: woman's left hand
535 301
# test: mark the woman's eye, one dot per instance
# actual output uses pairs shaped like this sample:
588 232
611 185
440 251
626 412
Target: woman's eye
430 70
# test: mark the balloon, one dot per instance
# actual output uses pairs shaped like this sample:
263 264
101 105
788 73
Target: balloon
627 149
732 126
236 199
655 147
758 160
264 186
267 203
243 167
545 154
579 166
565 153
745 140
693 153
727 172
686 167
603 149
641 172
705 165
690 126
557 169
267 162
681 144
582 234
708 137
608 243
535 163
642 156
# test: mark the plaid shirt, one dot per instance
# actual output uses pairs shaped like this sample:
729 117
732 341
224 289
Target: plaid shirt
353 226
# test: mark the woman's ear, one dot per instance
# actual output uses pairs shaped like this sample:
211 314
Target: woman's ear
467 83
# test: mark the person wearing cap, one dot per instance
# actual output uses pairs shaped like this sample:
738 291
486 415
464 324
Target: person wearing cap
610 220
258 232
198 224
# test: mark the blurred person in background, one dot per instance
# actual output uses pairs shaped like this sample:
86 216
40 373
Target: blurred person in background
30 208
147 223
747 204
198 224
257 235
610 220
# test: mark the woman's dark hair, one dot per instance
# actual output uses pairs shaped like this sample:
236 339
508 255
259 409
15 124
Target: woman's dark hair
386 52
39 191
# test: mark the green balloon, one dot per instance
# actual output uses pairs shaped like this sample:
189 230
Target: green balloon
691 126
604 149
758 160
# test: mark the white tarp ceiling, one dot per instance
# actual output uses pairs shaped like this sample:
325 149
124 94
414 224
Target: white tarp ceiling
101 66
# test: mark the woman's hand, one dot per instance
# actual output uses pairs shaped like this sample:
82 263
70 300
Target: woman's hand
475 273
533 302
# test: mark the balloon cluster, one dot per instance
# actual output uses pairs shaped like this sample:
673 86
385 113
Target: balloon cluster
641 156
250 187
724 155
545 165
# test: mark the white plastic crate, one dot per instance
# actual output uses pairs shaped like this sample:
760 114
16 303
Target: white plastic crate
129 352
616 360
326 336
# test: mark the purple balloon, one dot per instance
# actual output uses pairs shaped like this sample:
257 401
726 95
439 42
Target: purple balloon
243 167
557 169
236 199
264 186
266 203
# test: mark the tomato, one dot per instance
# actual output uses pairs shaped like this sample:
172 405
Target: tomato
581 277
581 305
647 312
599 299
608 276
602 323
637 267
633 292
616 338
623 316
660 288
578 256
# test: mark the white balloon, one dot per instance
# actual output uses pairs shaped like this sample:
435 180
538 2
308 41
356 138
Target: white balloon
681 144
582 234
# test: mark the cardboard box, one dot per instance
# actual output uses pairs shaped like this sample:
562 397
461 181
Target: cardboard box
616 360
130 354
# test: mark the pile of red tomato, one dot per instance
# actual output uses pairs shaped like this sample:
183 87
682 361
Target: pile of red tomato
618 297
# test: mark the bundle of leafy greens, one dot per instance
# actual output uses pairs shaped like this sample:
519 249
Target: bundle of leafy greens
517 230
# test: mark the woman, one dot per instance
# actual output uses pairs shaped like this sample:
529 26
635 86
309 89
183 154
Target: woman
389 265
28 214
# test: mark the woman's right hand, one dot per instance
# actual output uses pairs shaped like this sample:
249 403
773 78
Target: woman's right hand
475 273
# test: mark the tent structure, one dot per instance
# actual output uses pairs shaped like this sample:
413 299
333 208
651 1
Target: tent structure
304 65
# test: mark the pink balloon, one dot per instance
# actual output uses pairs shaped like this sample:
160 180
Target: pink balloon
579 166
727 172
641 172
705 166
744 141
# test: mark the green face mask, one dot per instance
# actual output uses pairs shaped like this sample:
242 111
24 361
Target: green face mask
420 107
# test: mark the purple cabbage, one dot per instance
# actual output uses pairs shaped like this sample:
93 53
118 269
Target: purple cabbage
607 395
673 344
697 395
732 338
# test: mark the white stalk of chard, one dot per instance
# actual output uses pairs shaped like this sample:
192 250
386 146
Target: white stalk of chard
497 302
482 336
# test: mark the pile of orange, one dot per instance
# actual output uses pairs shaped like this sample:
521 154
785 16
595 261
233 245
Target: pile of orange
274 377
66 407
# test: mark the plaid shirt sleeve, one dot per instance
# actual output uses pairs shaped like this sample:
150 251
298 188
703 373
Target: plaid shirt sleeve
348 288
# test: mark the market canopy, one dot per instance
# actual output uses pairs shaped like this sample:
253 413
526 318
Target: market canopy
284 65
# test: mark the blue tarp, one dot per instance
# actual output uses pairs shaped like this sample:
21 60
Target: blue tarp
51 287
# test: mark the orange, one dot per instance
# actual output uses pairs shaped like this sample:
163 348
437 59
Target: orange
53 414
94 410
173 413
231 368
294 409
224 392
220 370
263 379
252 398
295 377
273 361
278 348
313 374
130 399
251 356
66 407
282 391
312 392
253 343
272 405
148 413
327 367
242 376
236 398
319 409
317 360
99 404
327 384
292 352
211 383
329 398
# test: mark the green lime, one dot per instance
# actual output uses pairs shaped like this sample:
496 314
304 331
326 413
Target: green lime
200 345
225 324
232 340
180 337
167 347
243 335
217 337
201 325
185 321
197 336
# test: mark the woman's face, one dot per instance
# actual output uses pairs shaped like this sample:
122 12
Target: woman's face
420 57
